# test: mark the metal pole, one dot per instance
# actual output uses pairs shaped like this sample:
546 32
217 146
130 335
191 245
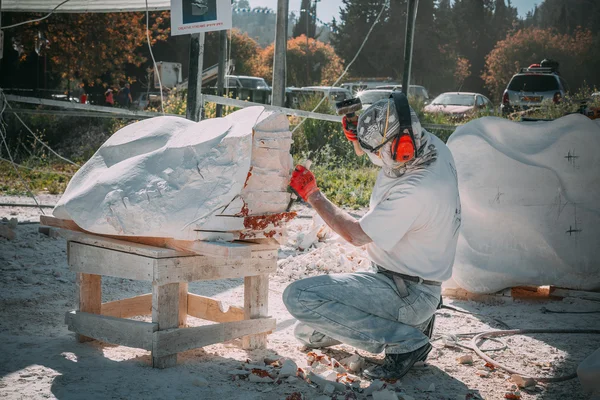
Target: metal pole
194 94
222 72
279 70
411 16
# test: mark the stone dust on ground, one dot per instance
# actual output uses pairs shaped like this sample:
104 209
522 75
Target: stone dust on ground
40 359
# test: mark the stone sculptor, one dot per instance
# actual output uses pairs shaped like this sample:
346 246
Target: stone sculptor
410 232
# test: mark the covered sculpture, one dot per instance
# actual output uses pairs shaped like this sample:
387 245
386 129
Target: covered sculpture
218 179
530 204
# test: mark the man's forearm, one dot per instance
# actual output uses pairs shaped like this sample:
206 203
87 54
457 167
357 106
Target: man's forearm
339 220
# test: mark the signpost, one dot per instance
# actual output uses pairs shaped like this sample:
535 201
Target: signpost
195 16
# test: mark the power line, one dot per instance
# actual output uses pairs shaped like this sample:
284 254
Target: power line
162 108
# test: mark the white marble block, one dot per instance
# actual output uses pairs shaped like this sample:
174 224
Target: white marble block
170 177
530 203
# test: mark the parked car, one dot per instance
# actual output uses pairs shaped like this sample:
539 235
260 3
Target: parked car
370 96
532 86
294 96
357 86
246 82
413 91
147 99
458 104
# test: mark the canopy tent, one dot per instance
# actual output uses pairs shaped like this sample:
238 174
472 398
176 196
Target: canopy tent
83 6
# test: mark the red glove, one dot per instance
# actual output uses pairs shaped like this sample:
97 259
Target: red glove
303 182
349 125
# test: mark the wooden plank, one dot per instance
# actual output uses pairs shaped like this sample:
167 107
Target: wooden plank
213 310
256 305
212 249
579 294
152 246
177 340
262 244
125 332
198 268
122 245
165 313
183 304
131 307
106 262
89 296
50 232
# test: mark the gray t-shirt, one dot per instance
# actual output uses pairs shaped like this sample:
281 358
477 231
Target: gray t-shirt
414 220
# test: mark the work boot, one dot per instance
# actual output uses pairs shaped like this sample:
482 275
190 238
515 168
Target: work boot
395 366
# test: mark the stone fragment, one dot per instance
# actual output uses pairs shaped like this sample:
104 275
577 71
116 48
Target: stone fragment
403 396
430 388
385 395
354 363
292 380
330 376
12 223
523 382
200 381
373 387
260 379
329 389
466 359
289 368
239 372
482 373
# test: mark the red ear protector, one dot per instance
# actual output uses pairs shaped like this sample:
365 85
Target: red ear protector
403 145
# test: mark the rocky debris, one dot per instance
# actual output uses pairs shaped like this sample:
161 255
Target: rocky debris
374 387
589 371
239 373
354 363
329 389
288 369
482 373
12 223
385 395
466 359
512 395
254 378
430 388
322 382
523 382
295 396
7 232
200 381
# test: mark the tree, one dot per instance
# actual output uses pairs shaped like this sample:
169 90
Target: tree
91 47
307 24
531 45
326 65
244 50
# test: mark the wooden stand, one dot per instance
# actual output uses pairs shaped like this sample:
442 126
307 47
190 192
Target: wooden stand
169 270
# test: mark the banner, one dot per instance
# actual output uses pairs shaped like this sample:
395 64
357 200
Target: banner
193 16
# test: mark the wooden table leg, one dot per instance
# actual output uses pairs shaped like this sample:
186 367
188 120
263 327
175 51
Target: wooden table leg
165 312
89 294
256 304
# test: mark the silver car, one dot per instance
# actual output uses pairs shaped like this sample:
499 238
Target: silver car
532 86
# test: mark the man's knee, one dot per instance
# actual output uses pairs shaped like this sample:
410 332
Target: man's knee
298 296
290 297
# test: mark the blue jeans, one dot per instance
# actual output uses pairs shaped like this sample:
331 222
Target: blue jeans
366 310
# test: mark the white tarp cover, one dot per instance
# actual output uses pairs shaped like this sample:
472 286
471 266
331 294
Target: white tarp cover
166 176
530 194
77 6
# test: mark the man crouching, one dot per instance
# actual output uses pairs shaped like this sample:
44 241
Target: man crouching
410 233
